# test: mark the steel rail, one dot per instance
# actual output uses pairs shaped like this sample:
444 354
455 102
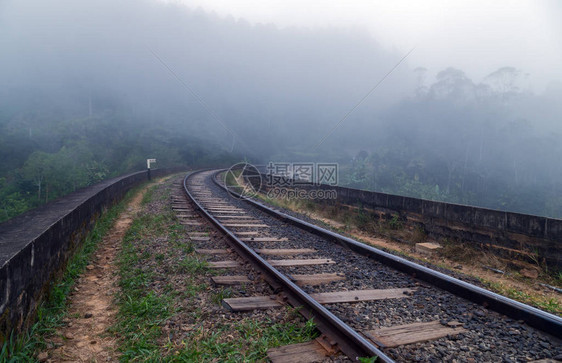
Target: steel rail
546 322
350 342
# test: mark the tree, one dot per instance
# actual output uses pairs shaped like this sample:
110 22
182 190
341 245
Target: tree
35 169
453 83
504 82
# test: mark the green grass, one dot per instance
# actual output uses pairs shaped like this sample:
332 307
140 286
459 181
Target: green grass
231 181
53 309
222 294
367 359
395 223
550 305
244 341
143 310
147 197
192 288
191 265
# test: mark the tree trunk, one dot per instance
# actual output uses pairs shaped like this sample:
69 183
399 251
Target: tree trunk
464 168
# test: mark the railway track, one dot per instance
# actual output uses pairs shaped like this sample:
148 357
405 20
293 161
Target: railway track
364 301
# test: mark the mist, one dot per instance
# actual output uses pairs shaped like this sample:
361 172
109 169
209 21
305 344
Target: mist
254 79
98 87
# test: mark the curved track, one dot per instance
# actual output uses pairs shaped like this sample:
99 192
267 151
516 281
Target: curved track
366 301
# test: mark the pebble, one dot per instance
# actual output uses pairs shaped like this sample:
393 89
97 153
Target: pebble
454 323
489 336
42 357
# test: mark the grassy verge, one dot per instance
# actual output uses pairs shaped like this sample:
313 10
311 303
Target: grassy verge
550 305
53 310
244 341
164 301
141 310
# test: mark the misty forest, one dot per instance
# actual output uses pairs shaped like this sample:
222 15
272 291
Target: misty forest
89 91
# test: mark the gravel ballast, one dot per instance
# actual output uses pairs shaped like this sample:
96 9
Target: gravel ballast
490 336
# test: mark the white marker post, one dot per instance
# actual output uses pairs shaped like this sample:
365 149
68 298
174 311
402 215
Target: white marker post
148 161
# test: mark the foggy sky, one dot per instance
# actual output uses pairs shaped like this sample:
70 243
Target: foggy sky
264 87
477 36
140 55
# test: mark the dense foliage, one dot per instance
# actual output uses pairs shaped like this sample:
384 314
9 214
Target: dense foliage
44 159
490 144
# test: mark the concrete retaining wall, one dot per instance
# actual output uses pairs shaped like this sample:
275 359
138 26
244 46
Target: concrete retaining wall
35 246
510 234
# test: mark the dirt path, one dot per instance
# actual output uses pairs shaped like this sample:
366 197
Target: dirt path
91 310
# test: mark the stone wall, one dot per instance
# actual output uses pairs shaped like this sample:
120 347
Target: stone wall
35 246
509 234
